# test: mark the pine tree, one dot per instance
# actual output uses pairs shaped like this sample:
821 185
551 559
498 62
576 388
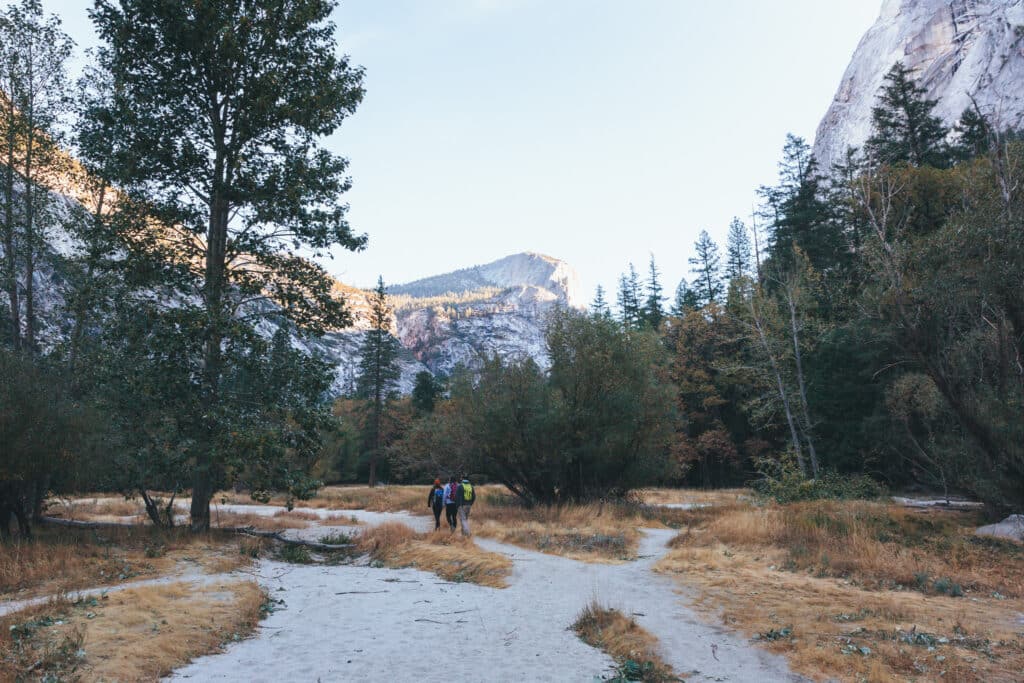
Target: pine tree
904 130
653 311
798 214
599 308
425 392
685 300
221 107
629 299
378 372
706 269
974 134
738 259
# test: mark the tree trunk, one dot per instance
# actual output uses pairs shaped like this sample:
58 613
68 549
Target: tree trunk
216 245
30 245
800 383
10 242
782 391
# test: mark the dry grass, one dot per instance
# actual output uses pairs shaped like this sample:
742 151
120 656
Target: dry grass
61 559
633 648
135 635
450 556
590 532
663 496
860 591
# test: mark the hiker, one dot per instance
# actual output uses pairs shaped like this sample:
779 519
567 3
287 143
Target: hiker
451 504
465 498
435 501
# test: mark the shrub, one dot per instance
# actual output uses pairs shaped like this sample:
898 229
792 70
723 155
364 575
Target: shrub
782 481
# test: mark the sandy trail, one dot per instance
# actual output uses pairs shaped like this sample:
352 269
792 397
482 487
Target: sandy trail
358 623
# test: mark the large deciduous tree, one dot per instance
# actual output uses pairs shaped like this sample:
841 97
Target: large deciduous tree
219 106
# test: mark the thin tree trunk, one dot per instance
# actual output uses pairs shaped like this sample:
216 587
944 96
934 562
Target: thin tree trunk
782 391
10 241
30 240
800 383
85 301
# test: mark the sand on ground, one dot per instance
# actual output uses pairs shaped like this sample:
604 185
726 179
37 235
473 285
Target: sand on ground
356 623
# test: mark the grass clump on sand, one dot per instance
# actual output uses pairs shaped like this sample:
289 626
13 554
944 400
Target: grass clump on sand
633 648
450 556
138 634
61 559
860 590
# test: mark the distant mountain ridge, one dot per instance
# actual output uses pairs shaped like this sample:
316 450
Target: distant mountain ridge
957 49
526 269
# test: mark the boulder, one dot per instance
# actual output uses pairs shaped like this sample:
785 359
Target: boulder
1011 528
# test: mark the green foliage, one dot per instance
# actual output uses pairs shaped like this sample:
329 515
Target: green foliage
295 554
781 480
904 128
706 269
426 391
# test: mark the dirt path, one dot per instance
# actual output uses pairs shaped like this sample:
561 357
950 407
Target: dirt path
360 623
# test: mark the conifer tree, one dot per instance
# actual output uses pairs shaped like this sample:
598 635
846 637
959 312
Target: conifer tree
653 311
599 307
974 134
425 392
685 299
904 130
706 269
378 373
630 307
738 260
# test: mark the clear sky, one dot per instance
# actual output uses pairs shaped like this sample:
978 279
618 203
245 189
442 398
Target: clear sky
595 131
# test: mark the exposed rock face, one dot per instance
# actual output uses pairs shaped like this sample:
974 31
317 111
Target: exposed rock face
524 270
957 49
1011 528
460 318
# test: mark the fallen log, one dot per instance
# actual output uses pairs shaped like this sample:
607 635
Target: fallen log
247 531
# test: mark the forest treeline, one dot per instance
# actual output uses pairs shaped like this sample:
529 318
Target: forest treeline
865 328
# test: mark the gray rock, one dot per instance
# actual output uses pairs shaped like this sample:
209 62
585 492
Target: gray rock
1011 528
957 49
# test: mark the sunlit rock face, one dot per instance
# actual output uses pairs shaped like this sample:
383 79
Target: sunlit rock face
957 49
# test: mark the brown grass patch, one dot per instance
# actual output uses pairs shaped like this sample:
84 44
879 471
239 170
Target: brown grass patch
62 559
633 648
666 496
138 634
860 591
450 556
279 521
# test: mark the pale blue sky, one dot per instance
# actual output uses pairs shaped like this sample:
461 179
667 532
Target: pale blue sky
595 131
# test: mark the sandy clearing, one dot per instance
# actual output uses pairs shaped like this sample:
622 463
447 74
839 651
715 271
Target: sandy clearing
359 623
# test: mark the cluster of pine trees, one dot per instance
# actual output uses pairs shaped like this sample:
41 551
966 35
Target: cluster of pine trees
867 327
166 197
870 319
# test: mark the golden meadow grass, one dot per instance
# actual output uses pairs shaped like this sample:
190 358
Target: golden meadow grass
139 634
624 640
450 556
63 559
859 590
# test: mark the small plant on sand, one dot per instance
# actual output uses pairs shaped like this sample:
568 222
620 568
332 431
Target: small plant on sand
632 647
337 538
296 554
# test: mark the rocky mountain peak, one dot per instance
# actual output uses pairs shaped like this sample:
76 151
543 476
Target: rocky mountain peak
957 49
524 270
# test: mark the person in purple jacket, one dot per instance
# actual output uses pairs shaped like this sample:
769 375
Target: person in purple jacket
451 503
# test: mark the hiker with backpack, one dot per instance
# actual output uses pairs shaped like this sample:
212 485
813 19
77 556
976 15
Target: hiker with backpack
465 498
451 504
435 501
